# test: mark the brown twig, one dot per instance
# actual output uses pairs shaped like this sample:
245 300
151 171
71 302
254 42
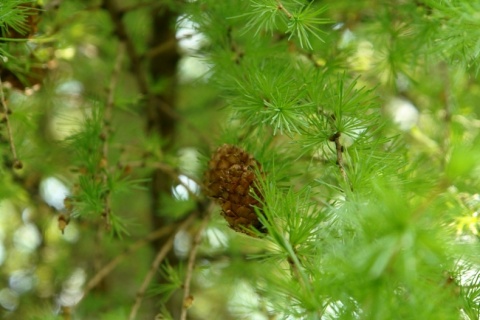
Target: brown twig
107 118
339 149
187 298
163 47
156 263
174 173
294 269
283 9
105 270
171 171
112 85
17 164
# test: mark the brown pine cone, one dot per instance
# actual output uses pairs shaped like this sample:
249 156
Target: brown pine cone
230 179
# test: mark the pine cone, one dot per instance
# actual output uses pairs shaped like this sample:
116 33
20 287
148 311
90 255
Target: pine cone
230 179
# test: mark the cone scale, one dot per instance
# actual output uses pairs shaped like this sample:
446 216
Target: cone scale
230 180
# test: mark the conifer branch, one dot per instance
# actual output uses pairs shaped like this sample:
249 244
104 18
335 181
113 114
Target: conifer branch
171 171
109 267
296 268
187 298
293 269
17 164
174 173
283 9
107 119
176 178
162 253
339 149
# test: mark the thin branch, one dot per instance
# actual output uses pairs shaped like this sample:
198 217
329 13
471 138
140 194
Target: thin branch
171 171
339 148
162 253
310 56
176 177
174 173
187 298
112 85
294 269
283 9
163 47
107 119
108 268
175 115
17 164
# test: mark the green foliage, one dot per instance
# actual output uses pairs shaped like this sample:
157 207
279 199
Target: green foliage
271 99
295 18
174 278
458 31
371 245
364 119
13 14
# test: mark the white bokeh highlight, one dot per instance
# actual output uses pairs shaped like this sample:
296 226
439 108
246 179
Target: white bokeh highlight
182 191
54 192
403 113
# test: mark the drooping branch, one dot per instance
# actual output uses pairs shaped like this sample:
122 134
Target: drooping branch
162 253
109 267
107 119
187 298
